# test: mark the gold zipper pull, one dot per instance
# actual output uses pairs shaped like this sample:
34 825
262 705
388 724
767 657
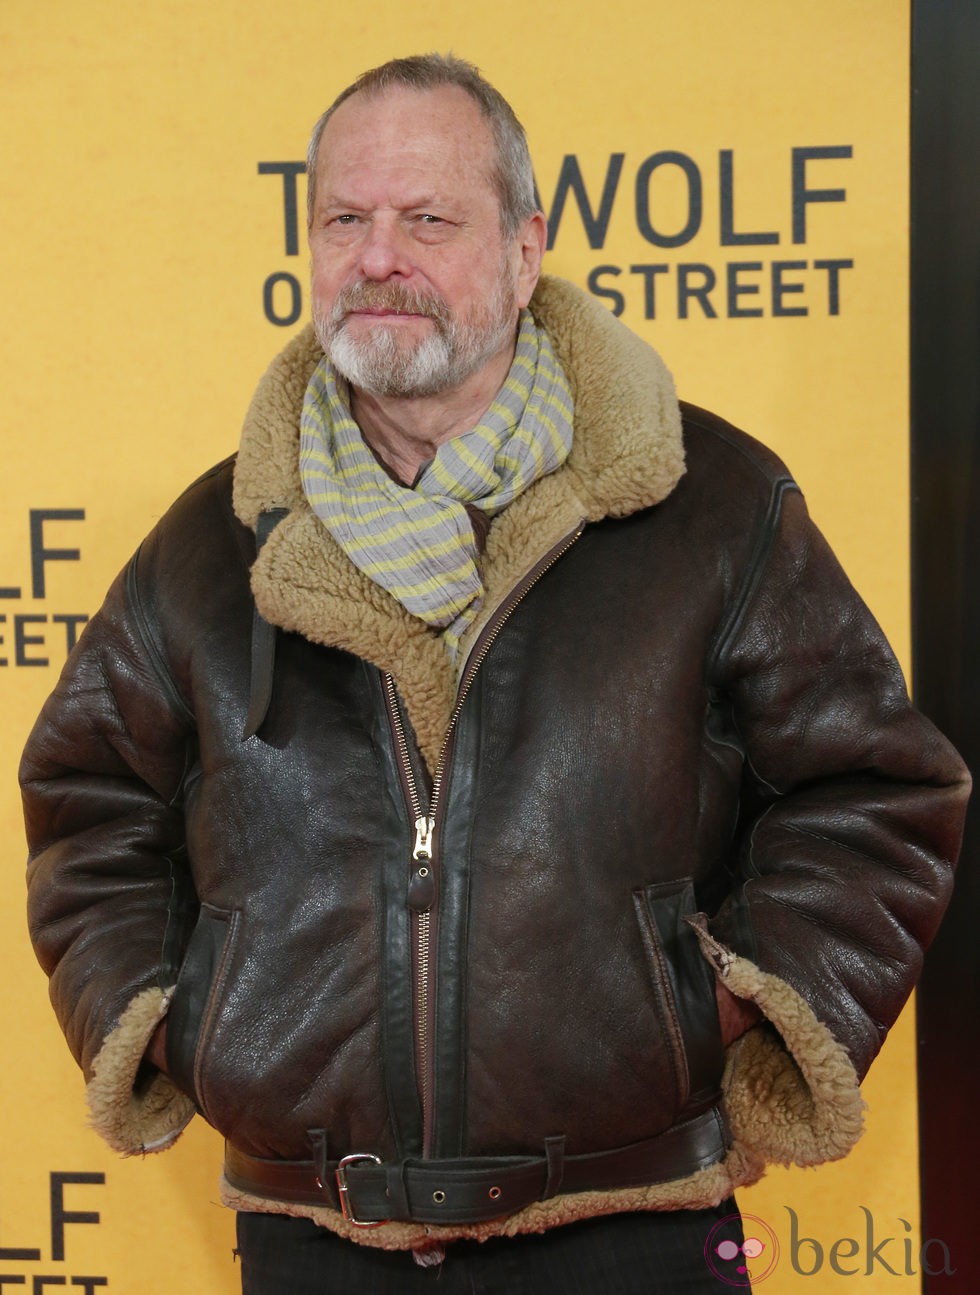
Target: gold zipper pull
423 837
421 885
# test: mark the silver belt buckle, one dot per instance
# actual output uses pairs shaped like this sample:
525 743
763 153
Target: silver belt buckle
343 1190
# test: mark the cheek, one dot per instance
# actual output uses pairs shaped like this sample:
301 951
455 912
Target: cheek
469 287
325 284
329 263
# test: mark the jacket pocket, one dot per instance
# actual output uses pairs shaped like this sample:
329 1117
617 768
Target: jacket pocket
685 988
182 914
197 997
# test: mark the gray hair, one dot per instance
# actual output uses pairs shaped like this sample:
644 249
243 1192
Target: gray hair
512 175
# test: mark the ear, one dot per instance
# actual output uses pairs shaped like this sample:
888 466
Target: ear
531 240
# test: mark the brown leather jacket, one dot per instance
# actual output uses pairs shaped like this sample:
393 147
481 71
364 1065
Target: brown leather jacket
392 941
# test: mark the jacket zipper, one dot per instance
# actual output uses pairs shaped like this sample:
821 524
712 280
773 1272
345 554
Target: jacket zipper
421 894
422 885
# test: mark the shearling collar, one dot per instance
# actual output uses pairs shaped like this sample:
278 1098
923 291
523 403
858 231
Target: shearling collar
626 455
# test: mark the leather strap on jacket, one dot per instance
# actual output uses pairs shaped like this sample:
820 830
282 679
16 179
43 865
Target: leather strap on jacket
263 639
472 1191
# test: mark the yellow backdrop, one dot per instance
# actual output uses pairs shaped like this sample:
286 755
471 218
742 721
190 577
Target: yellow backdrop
731 177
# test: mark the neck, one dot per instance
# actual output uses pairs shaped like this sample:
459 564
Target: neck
405 431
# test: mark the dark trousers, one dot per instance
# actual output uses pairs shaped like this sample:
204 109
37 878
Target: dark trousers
622 1254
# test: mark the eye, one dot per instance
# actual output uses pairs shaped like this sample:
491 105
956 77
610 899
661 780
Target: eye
346 218
427 218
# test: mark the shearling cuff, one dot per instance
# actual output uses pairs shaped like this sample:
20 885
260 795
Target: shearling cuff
135 1122
790 1089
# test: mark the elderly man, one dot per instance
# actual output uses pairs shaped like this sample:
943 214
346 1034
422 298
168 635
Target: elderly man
480 775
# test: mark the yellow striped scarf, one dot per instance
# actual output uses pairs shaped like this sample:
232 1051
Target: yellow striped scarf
417 542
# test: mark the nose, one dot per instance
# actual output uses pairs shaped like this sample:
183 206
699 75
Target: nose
385 250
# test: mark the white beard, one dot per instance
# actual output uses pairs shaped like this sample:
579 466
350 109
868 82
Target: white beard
385 364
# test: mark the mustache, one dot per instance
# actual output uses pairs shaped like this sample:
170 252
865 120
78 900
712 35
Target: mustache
389 296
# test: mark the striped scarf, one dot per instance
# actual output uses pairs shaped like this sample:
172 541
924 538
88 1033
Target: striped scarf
418 542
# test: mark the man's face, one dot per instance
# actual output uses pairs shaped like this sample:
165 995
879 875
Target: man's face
414 286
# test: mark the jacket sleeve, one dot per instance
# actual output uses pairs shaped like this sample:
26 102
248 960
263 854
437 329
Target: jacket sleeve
853 813
101 777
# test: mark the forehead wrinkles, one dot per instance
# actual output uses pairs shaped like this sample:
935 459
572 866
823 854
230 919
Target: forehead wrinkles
409 137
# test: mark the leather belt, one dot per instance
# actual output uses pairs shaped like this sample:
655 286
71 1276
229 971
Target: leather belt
474 1190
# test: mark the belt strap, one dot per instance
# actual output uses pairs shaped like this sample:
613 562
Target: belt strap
474 1190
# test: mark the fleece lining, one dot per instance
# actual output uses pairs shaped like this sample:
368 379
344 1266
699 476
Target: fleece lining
135 1122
